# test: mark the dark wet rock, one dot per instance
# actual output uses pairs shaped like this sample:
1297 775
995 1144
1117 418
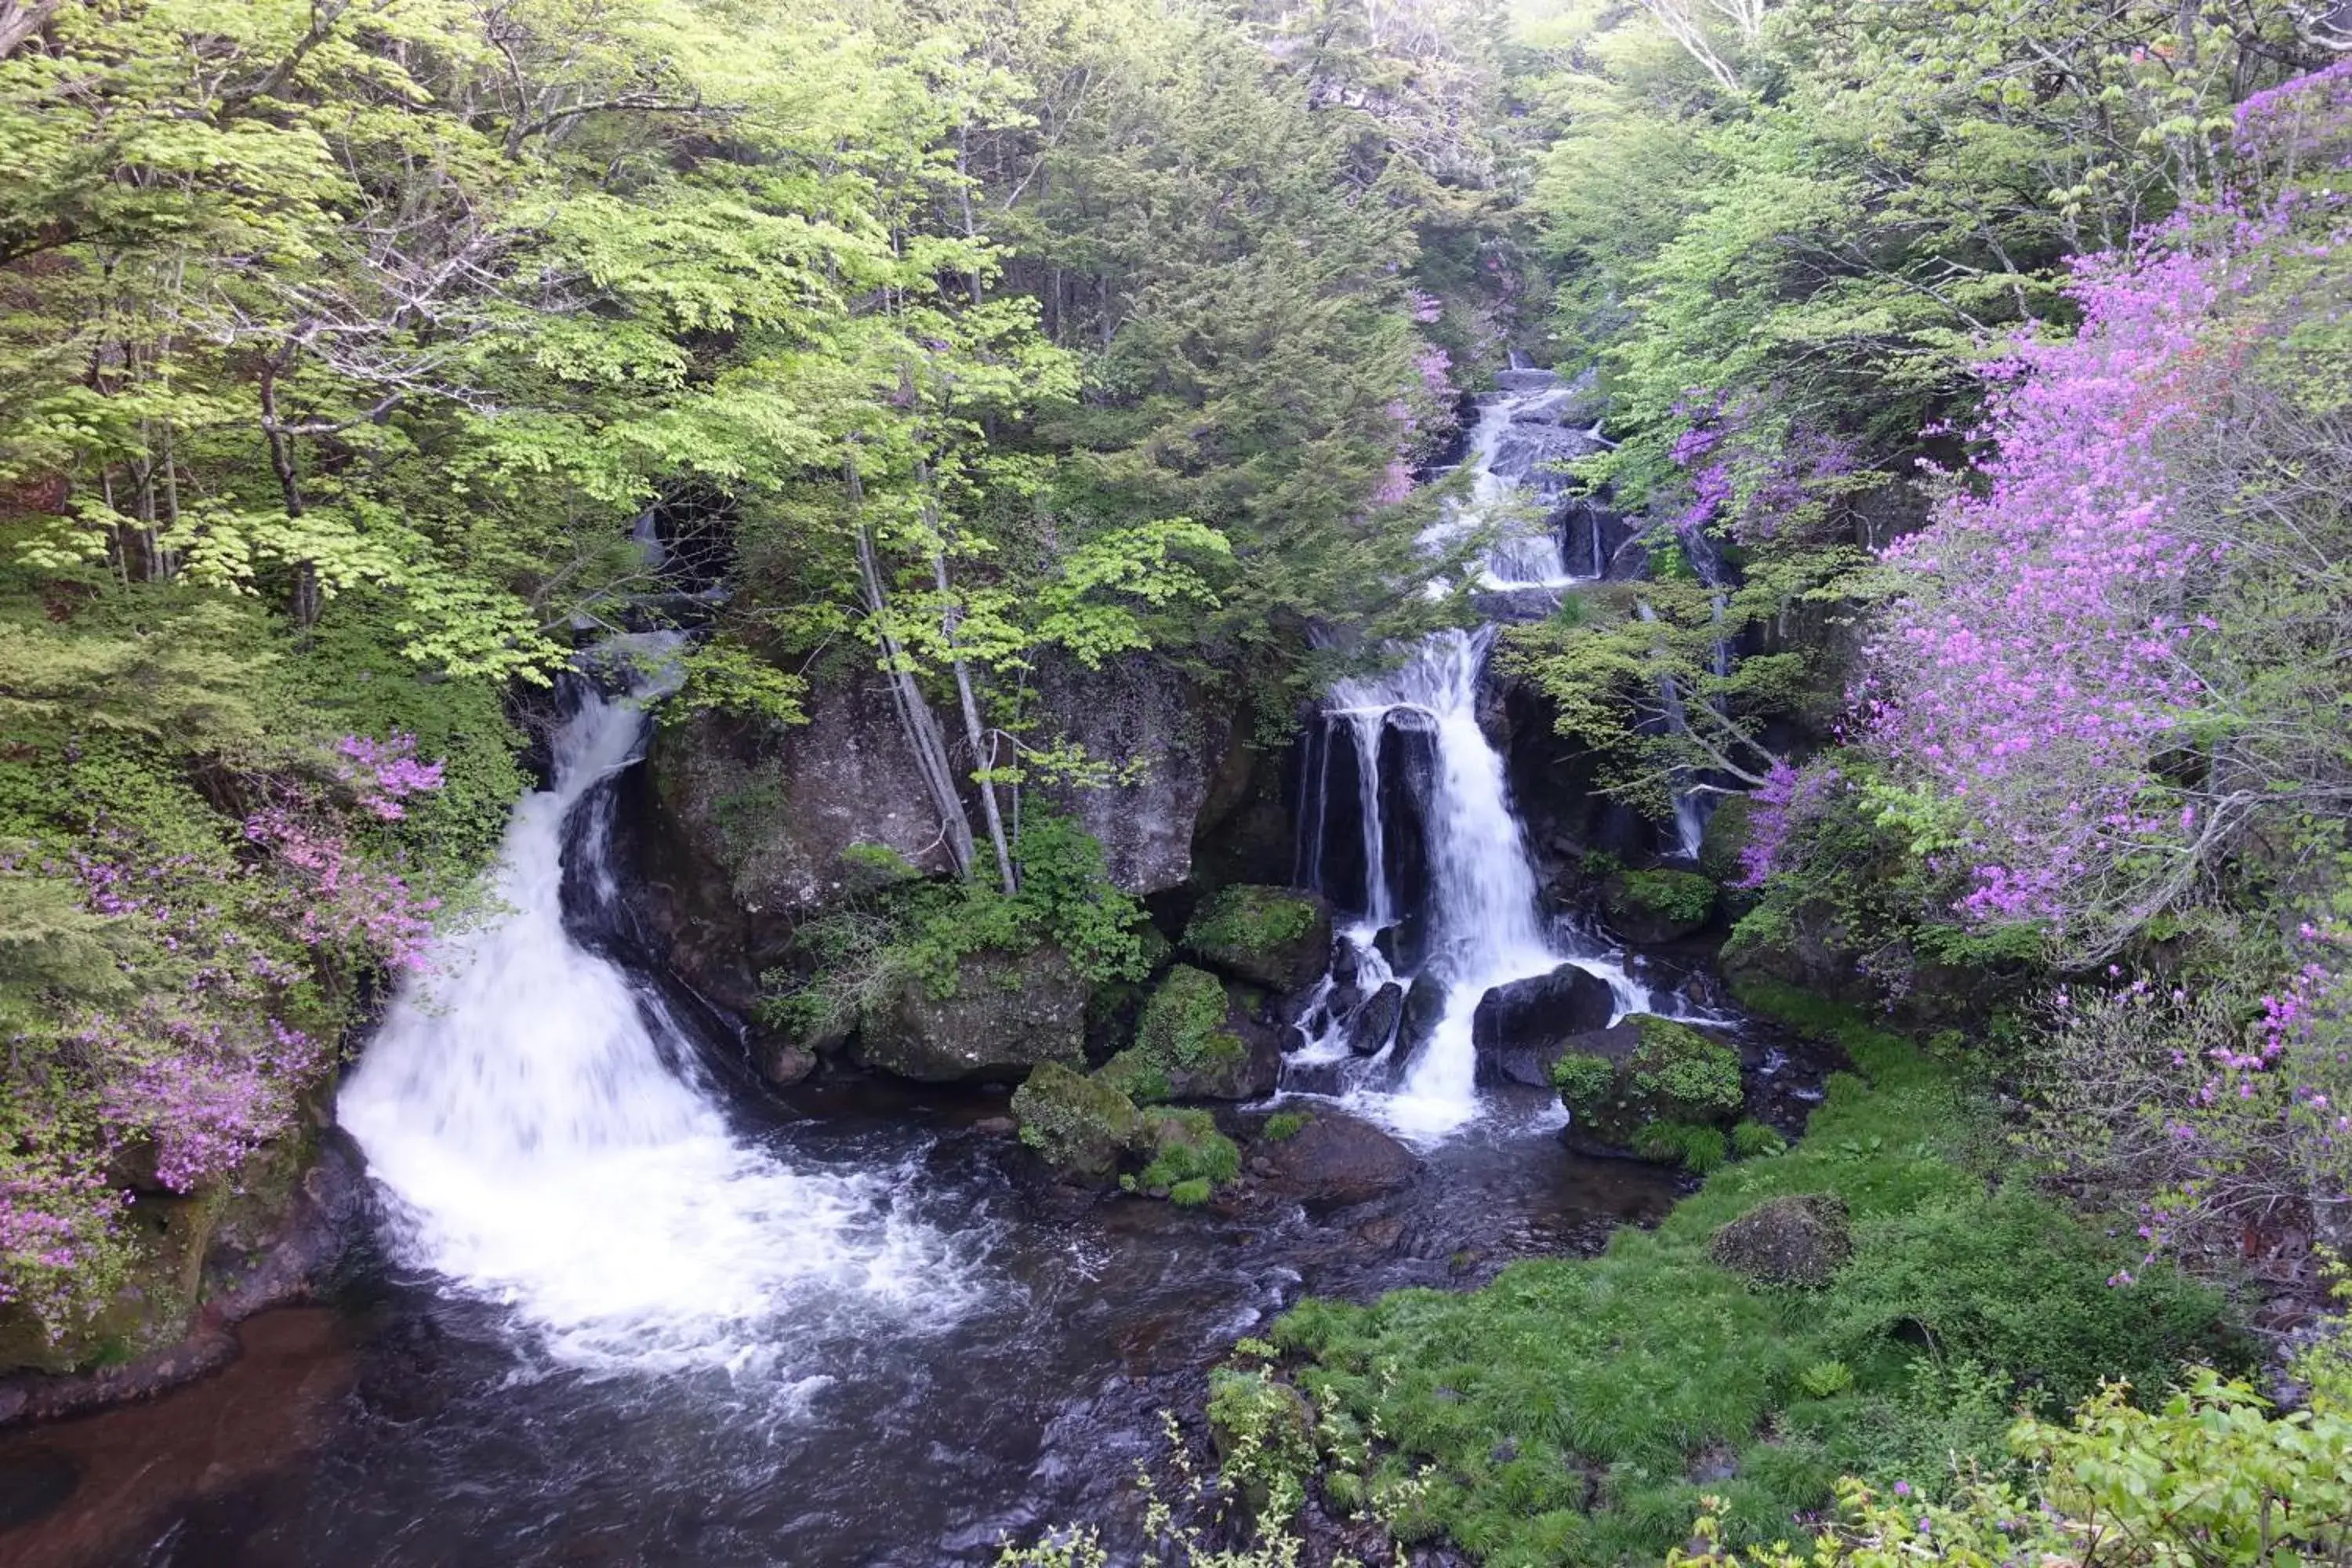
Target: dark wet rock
1333 1161
1617 1082
1008 1012
1538 1015
1080 1125
1276 937
1530 379
1137 707
1405 944
1801 1239
1373 1022
1424 1005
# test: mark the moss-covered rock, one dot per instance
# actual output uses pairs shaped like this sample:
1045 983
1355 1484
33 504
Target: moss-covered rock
1189 1159
1006 1013
1081 1125
1722 848
1659 905
1274 936
1195 1040
1799 1239
1618 1081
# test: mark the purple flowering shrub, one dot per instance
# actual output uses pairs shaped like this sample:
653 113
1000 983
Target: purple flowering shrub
187 998
2110 669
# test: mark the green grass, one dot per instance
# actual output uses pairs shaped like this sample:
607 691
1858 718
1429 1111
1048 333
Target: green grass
1558 1415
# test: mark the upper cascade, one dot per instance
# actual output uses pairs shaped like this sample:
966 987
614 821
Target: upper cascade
1436 869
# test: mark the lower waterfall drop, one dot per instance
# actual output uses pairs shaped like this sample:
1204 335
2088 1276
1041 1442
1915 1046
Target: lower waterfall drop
547 1143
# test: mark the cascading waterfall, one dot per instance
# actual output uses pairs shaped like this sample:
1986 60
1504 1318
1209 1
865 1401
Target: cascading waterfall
1482 923
547 1142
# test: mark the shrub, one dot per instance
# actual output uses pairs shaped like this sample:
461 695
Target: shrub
1755 1141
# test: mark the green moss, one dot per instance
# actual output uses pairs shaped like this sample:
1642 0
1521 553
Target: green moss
1674 1075
1078 1123
1682 897
1269 935
1181 1045
1192 1193
1698 1150
1285 1125
1556 1415
1186 1146
1676 1062
1183 1025
1582 1080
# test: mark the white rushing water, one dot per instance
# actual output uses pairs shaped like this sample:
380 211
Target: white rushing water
544 1148
1483 924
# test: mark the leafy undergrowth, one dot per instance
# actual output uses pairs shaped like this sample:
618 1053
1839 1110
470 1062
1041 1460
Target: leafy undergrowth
1579 1410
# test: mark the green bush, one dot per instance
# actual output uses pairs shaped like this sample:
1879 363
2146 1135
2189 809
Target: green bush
1186 1146
1755 1141
1685 898
1505 1405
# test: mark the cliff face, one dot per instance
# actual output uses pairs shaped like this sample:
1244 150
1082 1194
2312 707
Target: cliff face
744 828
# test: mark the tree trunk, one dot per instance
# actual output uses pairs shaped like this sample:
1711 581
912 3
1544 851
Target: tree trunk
915 721
305 597
976 733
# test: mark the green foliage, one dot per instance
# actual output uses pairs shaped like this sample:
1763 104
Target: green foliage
1285 1125
1755 1141
1701 1150
1684 897
1627 1366
1250 919
1184 1146
1265 1445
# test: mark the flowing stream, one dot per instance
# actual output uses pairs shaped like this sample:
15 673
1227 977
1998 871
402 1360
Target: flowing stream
619 1314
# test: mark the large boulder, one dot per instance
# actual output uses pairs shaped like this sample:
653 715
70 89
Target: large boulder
1003 1014
1333 1159
1274 937
1195 1039
1080 1125
1141 709
1800 1239
1425 1006
1658 906
1646 1070
1520 1028
775 808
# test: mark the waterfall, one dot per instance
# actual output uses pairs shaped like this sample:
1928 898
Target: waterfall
1481 924
546 1140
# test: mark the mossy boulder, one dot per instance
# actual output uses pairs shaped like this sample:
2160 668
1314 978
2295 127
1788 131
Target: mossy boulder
1274 937
1187 1158
1723 846
1616 1082
1800 1239
1660 905
1080 1125
1195 1039
1002 1015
